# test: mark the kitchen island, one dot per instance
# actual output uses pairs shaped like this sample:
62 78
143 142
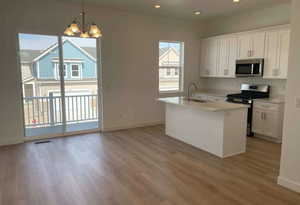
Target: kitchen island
216 127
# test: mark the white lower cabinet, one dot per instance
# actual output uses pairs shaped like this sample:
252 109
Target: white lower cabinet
268 120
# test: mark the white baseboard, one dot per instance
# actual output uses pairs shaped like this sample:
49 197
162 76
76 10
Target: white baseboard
109 129
233 154
14 141
42 137
287 183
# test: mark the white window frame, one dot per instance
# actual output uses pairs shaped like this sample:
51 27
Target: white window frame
79 71
180 67
56 70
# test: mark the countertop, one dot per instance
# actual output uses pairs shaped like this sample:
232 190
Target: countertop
273 100
213 106
212 92
223 93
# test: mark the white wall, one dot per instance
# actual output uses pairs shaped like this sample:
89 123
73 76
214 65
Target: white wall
129 52
249 20
290 157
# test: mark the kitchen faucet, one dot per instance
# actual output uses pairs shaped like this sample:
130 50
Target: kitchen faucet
191 84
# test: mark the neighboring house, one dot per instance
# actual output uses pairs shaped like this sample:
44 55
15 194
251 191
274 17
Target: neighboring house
40 73
169 69
169 57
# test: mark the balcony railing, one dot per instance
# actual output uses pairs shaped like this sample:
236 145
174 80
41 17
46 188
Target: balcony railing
47 111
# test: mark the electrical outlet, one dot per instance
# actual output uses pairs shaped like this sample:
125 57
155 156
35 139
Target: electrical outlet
298 102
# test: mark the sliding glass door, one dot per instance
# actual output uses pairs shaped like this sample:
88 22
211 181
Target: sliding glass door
80 83
60 85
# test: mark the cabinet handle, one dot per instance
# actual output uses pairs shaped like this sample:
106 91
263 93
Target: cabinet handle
249 53
262 115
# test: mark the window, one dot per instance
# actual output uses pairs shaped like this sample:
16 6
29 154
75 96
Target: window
75 71
56 70
176 72
168 71
171 61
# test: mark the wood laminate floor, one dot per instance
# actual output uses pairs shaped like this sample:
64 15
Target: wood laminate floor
136 167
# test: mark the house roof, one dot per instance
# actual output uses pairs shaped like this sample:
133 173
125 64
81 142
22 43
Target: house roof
163 50
29 56
91 50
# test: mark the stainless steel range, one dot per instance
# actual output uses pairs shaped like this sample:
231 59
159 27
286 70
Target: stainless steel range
247 95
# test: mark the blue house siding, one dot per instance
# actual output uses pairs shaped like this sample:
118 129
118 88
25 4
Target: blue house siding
45 65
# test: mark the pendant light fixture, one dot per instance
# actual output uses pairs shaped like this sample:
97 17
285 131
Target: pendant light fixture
82 29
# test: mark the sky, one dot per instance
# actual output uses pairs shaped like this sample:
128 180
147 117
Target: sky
169 44
42 42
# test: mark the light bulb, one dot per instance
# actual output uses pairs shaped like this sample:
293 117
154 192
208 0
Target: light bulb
84 35
74 27
97 35
94 29
68 31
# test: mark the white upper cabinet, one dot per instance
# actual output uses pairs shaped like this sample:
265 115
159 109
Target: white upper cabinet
227 57
244 46
251 45
209 56
219 54
284 48
277 53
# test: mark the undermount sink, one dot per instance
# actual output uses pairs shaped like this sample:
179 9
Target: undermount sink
196 100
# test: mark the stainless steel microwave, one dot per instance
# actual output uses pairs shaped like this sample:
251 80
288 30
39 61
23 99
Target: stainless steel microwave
249 68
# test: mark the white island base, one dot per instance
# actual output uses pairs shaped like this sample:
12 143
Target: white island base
221 132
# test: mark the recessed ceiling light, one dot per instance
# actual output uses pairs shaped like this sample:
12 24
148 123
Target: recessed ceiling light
197 12
236 1
157 6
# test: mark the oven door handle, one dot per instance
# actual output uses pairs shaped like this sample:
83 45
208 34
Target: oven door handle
252 69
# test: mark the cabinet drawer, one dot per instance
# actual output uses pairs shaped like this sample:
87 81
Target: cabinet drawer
266 106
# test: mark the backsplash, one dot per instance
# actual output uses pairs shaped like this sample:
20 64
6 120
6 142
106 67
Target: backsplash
277 86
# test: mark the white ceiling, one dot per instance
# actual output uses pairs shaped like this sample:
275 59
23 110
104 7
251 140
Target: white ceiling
185 8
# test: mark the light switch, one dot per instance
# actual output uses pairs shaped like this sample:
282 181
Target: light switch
298 102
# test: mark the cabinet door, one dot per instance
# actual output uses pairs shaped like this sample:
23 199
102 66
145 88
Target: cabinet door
227 57
223 58
212 59
233 51
258 45
244 46
271 55
271 124
257 121
204 59
283 53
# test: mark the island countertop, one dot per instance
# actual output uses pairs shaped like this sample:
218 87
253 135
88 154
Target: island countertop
212 106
